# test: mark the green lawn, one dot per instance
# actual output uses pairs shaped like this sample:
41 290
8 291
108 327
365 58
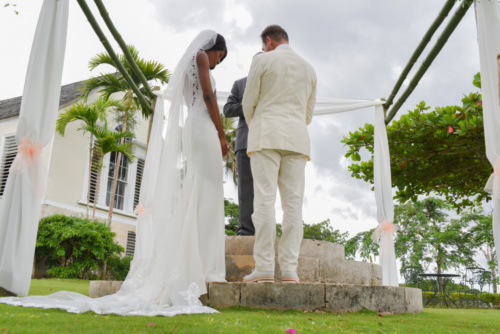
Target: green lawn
238 320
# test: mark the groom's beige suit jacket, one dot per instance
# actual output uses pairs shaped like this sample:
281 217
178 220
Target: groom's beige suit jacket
279 101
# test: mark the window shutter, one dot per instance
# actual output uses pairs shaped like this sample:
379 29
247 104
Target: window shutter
129 251
9 153
96 156
138 181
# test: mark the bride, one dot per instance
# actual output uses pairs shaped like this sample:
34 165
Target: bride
180 225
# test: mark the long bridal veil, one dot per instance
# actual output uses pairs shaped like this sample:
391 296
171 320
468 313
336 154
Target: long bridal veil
164 278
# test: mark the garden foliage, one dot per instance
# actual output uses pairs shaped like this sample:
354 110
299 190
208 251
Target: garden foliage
75 247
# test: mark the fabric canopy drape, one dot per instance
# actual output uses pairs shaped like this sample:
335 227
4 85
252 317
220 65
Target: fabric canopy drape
384 233
20 205
488 32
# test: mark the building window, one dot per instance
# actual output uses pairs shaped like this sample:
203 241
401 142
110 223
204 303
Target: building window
121 183
9 152
129 179
129 251
138 180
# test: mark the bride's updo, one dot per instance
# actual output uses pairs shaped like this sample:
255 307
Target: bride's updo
220 44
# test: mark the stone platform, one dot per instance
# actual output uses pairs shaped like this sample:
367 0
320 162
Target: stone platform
329 283
326 297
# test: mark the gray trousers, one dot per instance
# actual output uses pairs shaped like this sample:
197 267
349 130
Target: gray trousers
245 193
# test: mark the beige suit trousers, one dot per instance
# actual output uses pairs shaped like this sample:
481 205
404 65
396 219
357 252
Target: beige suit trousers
274 169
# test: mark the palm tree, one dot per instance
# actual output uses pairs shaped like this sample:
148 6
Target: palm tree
230 159
89 115
110 141
112 83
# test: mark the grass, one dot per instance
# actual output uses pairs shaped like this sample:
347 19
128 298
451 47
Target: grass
238 320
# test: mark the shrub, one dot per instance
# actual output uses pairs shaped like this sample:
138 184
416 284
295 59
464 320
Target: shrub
75 247
118 267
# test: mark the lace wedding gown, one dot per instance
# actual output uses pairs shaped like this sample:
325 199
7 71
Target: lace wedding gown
180 226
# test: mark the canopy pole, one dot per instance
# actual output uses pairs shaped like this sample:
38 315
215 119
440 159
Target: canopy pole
420 48
111 52
123 46
454 21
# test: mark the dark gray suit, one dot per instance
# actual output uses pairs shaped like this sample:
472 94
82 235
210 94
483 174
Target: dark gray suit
233 108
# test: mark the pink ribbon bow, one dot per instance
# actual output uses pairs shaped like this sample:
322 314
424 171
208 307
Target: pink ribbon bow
28 154
139 210
385 227
29 157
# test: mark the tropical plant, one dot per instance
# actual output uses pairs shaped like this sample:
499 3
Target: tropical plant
482 237
74 247
228 124
428 237
110 141
363 246
89 115
324 231
440 151
231 212
112 83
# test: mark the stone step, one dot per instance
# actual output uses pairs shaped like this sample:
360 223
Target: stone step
326 297
312 270
237 245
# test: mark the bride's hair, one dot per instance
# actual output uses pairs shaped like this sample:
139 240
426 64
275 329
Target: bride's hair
220 44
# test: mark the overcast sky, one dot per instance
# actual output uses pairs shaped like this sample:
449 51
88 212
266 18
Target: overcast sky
358 49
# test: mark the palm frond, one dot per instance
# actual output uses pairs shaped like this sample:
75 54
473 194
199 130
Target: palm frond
101 59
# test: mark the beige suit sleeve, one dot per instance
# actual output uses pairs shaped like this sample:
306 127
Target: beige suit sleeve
252 89
311 102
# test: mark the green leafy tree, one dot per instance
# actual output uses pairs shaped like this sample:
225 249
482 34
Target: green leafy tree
429 238
231 211
440 151
363 246
74 247
89 115
324 231
482 237
112 83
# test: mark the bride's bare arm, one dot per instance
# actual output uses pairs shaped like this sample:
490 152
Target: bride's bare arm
210 99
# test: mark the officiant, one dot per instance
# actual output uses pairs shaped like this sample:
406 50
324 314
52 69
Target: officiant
233 108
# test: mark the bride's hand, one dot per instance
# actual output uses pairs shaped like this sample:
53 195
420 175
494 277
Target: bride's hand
225 146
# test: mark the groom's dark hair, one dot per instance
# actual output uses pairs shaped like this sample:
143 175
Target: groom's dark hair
275 32
220 44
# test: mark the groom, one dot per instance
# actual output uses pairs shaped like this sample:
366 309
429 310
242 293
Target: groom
278 105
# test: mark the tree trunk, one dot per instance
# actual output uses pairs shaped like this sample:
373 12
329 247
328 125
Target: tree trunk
440 279
97 188
90 172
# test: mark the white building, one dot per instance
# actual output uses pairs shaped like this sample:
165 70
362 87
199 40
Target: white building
66 160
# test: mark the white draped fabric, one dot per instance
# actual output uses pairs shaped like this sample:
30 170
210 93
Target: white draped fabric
20 206
488 33
384 233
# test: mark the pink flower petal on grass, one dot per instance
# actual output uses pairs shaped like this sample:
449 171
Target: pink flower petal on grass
450 129
290 331
151 324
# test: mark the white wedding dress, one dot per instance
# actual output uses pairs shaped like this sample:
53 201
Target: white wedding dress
180 227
